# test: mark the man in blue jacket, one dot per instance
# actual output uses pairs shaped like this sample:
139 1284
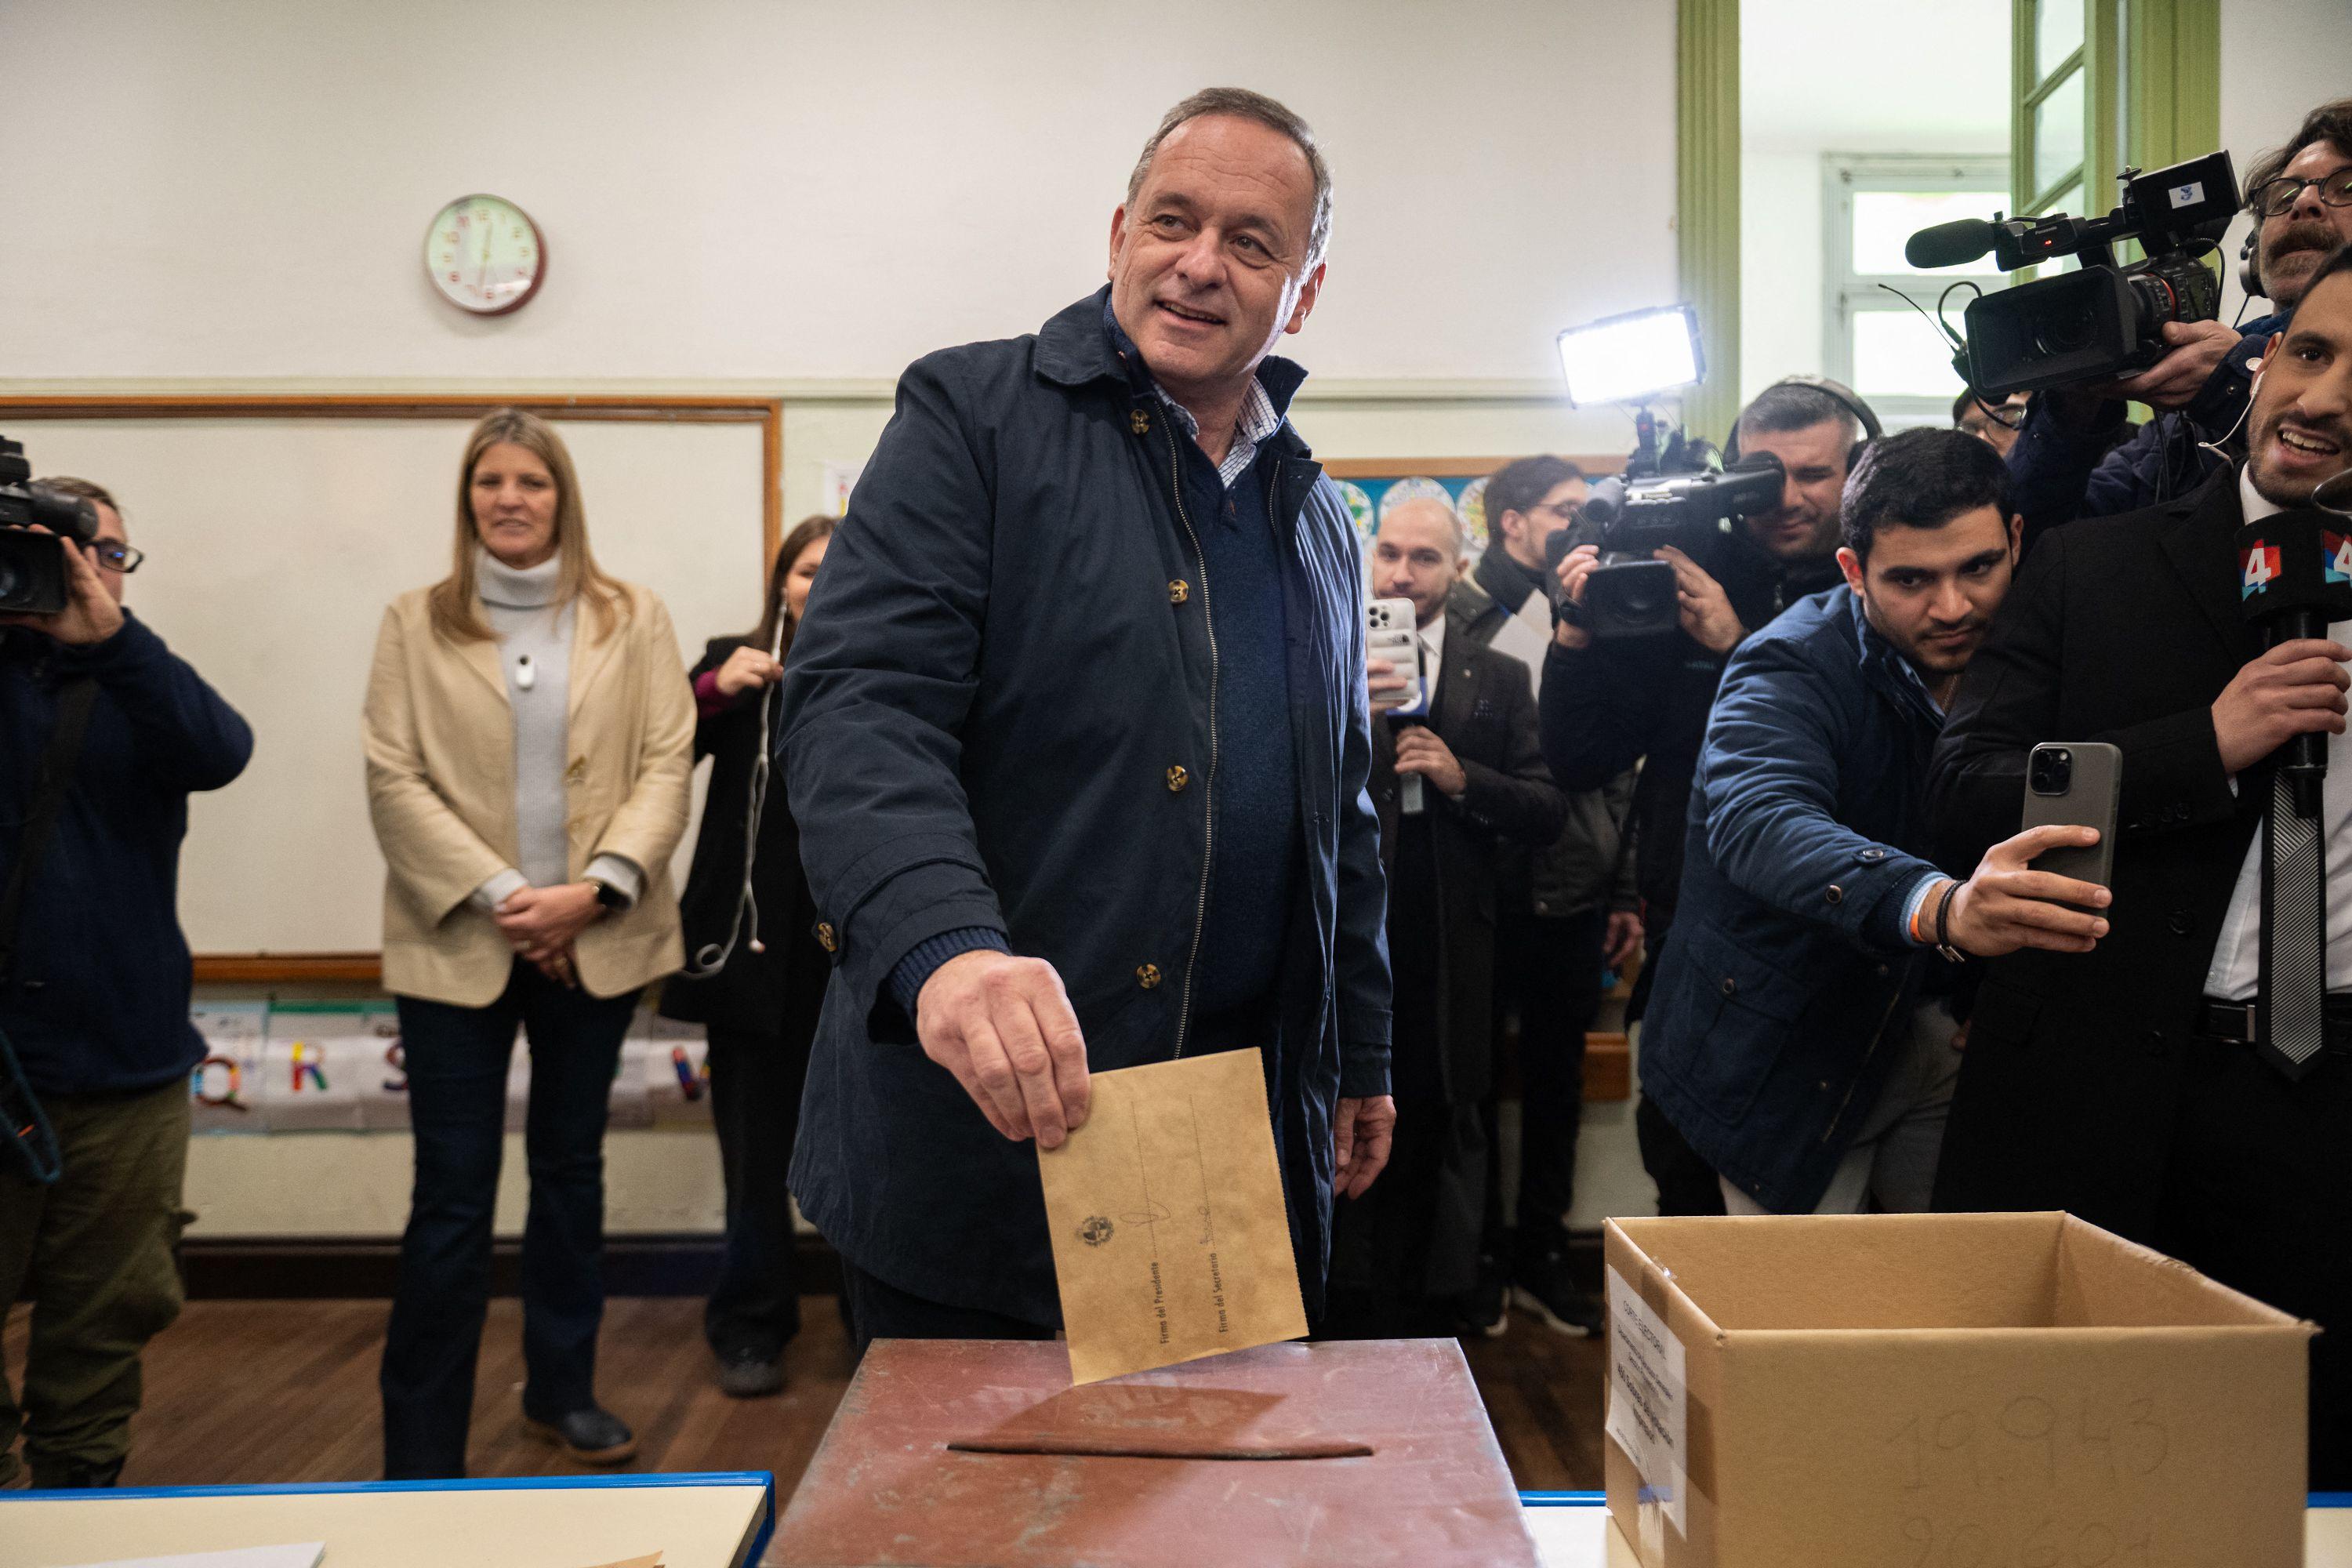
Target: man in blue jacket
95 1001
2066 462
1798 1036
1077 738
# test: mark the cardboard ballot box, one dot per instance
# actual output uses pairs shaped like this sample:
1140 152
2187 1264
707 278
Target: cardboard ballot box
980 1454
2025 1389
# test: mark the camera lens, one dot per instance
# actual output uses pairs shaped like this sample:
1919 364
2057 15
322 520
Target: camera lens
2065 331
2053 770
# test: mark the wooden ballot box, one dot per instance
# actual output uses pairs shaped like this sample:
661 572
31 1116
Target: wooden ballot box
979 1454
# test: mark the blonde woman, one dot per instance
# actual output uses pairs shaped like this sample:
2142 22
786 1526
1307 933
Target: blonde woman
530 735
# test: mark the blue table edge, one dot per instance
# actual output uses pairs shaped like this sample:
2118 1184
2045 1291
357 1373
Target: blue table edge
1601 1499
764 1480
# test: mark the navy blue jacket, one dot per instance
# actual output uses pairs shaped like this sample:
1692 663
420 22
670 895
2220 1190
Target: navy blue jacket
100 1003
1006 661
1789 966
2058 473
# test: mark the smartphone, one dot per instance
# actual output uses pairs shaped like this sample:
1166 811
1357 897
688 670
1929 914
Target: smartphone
1392 632
2076 784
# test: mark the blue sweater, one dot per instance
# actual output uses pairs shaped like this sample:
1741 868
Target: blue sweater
101 1002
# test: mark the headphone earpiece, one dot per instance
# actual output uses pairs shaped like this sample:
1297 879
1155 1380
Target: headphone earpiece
2250 265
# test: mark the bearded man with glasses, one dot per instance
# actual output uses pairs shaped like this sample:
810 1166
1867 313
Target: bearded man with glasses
2071 458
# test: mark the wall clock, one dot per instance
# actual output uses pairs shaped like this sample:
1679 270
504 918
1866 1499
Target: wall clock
485 255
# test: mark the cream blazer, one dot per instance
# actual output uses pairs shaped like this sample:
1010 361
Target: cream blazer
439 736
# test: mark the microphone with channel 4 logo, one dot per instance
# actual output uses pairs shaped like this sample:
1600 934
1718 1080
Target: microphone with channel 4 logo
2295 577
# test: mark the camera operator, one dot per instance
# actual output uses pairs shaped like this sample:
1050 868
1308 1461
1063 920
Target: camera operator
1995 424
1799 1037
1608 704
2067 461
1404 1255
94 994
2142 1085
1564 912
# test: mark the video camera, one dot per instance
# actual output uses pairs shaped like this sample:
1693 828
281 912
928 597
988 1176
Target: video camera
2102 320
33 574
1676 496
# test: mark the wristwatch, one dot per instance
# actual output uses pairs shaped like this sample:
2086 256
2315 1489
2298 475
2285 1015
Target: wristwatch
607 895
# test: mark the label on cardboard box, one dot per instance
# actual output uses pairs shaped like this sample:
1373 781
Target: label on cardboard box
1648 1400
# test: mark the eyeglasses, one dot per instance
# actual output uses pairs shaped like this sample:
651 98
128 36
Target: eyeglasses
1565 510
116 557
2273 198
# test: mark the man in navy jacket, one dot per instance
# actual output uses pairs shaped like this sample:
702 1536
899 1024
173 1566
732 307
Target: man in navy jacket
1788 1037
1076 734
96 1003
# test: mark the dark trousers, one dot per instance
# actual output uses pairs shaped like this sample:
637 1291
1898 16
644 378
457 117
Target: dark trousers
457 1061
1408 1247
2258 1195
1548 970
755 1101
94 1255
1686 1183
880 1311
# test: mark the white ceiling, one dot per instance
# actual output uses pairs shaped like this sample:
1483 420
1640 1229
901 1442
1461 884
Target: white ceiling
1930 75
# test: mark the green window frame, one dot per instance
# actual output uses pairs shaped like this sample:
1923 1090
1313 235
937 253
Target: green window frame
2145 76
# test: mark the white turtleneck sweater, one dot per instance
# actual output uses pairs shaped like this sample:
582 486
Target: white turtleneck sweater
535 650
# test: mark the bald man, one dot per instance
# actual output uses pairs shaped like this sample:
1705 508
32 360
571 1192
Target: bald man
1405 1254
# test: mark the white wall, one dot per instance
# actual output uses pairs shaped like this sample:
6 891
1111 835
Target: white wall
1922 76
750 189
2280 60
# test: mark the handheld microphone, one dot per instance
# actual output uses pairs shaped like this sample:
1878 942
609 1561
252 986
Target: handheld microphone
1950 243
2294 576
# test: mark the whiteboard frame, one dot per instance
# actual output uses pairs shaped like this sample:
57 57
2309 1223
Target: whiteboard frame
367 968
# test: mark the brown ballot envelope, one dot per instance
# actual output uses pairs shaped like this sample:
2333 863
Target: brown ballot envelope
1171 1241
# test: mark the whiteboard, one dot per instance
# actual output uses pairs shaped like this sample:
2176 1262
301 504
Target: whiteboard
273 544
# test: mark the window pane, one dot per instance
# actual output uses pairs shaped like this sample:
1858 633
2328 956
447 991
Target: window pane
2057 33
2058 131
1897 354
1882 220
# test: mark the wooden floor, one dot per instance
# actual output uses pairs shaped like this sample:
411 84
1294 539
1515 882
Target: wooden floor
243 1392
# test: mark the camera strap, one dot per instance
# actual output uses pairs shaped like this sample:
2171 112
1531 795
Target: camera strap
22 1120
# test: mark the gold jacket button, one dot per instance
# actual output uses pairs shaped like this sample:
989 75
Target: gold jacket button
825 937
1179 591
1147 975
1139 422
1177 778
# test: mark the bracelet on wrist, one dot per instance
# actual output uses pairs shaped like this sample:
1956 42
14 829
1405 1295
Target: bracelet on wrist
1943 927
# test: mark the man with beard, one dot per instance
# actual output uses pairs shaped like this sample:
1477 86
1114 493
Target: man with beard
1799 1034
1609 704
2128 1085
2071 458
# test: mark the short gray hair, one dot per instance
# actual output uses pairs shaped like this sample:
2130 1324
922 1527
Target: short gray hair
1242 104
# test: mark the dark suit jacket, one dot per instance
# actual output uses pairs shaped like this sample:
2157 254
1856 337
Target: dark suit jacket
1483 708
2121 629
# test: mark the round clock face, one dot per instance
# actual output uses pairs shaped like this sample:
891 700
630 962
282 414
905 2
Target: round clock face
485 255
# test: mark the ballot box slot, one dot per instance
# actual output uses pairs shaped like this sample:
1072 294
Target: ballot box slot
1108 1448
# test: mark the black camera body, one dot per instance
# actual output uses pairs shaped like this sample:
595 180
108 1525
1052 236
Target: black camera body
33 574
1629 593
2105 320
